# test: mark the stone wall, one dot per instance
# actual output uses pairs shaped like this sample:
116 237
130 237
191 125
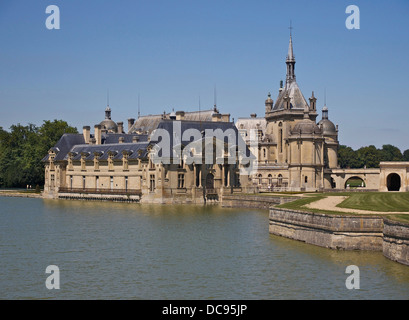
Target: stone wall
330 231
343 232
254 201
396 241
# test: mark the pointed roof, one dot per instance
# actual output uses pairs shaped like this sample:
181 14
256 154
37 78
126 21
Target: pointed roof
290 55
291 89
297 100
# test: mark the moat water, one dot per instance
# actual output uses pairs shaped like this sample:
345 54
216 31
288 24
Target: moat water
110 250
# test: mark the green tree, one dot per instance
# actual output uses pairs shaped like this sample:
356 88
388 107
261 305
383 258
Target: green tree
22 149
406 155
391 153
346 157
368 157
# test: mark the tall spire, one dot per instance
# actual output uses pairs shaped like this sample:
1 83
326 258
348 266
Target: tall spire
325 109
290 59
215 99
139 106
108 109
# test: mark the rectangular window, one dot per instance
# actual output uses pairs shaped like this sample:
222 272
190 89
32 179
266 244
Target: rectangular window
83 182
52 181
181 180
126 183
152 183
70 182
281 140
112 183
96 182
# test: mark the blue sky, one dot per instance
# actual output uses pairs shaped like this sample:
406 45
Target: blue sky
172 52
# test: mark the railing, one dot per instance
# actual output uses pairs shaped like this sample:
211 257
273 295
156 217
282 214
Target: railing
270 163
101 191
273 189
211 191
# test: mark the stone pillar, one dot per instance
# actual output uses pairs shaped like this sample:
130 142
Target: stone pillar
200 177
131 122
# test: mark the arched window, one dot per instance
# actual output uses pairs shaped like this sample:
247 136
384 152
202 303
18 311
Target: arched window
280 180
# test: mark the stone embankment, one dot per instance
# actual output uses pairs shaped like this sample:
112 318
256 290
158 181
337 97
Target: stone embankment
396 241
255 201
20 194
346 232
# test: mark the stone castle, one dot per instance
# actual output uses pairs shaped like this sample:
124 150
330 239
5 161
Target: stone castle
293 152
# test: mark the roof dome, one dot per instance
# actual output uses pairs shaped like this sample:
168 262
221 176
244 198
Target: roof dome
306 126
327 126
109 125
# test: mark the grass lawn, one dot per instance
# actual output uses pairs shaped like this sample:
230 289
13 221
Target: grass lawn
399 217
373 201
300 203
378 201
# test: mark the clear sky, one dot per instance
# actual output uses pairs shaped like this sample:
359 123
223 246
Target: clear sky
171 52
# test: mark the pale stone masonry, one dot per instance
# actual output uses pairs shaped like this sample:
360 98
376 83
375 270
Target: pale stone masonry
297 153
113 165
293 152
343 232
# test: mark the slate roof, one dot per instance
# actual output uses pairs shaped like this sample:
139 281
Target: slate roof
104 149
64 145
150 122
69 141
75 143
297 100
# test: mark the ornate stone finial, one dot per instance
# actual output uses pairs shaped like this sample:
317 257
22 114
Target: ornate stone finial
313 101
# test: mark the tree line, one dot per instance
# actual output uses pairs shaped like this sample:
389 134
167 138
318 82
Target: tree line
369 156
23 147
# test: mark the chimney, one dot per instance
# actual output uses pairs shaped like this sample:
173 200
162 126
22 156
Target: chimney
131 122
120 127
269 103
180 115
86 132
216 117
121 140
98 133
253 115
226 117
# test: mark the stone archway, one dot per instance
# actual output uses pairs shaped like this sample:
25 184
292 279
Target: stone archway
355 182
393 182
